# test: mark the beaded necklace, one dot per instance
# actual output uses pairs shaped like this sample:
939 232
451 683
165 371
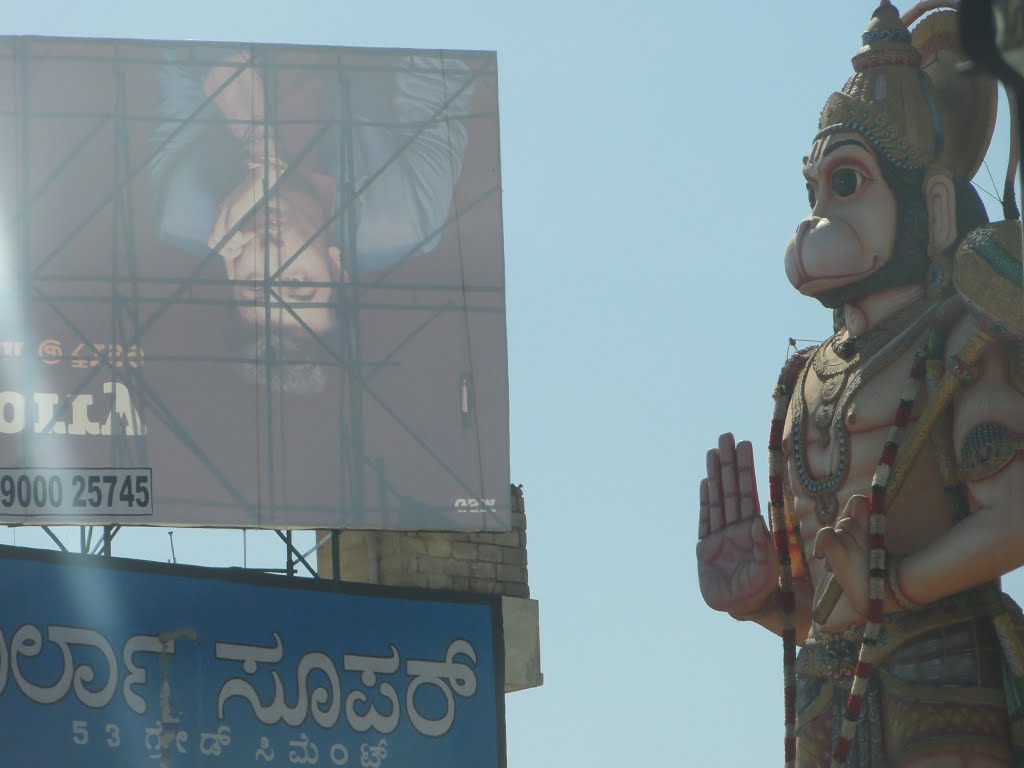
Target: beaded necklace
883 351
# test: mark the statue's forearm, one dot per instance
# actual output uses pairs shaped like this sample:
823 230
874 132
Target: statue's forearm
979 549
988 417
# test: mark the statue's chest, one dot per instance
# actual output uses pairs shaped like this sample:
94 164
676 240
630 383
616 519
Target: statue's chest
838 421
855 400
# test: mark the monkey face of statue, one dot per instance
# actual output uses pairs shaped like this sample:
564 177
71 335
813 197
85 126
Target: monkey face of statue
852 226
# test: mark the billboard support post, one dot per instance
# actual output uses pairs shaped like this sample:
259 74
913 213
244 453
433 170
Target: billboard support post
289 559
335 552
54 538
293 555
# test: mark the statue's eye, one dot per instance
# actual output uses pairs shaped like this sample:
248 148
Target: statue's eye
846 181
811 200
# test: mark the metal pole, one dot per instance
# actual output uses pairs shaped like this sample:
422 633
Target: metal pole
336 555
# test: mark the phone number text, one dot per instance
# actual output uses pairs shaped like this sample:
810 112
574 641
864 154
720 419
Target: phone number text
76 491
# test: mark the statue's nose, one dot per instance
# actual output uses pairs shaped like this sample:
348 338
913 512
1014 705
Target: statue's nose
806 225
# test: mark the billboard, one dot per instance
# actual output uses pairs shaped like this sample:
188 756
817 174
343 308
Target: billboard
127 663
251 285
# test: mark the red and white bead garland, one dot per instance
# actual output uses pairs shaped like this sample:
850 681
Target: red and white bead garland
869 649
777 511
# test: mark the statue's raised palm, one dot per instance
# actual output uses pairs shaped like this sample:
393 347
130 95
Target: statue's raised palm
736 561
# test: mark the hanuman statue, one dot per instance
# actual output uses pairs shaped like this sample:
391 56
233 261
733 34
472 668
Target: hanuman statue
896 454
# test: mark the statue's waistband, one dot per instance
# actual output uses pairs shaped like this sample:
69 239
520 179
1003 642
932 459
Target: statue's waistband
834 655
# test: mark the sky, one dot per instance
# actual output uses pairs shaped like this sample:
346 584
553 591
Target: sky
651 178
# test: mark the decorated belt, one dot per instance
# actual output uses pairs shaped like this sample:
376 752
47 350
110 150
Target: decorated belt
834 655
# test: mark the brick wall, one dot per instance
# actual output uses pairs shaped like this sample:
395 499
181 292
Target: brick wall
491 563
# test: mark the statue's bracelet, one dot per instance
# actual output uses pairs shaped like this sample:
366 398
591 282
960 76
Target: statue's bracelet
896 587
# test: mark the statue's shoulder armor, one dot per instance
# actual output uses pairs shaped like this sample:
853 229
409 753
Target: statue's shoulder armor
987 274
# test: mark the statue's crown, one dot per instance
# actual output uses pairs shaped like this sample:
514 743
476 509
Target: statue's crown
888 100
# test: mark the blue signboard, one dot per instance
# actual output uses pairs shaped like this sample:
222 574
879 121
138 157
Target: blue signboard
116 663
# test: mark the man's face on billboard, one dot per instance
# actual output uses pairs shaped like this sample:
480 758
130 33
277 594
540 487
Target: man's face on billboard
274 244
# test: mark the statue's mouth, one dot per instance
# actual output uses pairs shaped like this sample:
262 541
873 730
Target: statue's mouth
813 285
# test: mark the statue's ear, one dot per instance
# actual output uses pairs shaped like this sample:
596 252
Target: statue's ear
940 197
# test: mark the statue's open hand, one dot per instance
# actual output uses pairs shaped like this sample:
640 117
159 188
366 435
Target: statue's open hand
736 561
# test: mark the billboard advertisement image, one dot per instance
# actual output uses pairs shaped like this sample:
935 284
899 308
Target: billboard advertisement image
251 285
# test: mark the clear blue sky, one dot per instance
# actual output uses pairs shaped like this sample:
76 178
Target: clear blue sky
651 174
